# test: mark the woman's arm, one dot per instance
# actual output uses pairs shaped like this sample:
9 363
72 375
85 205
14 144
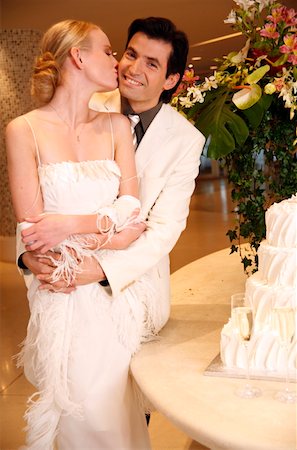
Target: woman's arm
128 192
22 170
49 230
125 156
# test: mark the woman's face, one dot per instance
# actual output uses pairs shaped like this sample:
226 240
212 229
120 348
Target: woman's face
98 62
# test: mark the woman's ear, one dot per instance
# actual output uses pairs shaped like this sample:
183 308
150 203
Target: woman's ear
76 57
171 81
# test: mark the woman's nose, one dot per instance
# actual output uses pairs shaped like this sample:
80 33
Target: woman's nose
115 61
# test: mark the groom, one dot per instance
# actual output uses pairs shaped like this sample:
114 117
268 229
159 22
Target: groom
167 160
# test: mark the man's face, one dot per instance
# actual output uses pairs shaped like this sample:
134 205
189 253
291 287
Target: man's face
142 71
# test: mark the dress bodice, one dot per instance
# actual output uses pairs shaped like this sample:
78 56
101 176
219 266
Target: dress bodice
79 187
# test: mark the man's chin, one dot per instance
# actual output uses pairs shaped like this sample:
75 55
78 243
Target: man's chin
129 92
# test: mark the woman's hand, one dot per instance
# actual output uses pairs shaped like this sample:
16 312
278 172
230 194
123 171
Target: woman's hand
124 238
47 231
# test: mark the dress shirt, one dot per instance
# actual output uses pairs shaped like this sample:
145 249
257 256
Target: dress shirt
146 118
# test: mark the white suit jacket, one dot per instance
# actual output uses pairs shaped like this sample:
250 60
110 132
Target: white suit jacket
167 162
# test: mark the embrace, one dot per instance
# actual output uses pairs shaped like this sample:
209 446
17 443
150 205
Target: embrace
101 180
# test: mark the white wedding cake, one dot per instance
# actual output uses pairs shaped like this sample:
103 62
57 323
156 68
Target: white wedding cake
271 288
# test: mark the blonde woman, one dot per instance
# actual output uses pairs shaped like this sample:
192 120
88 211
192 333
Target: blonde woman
64 159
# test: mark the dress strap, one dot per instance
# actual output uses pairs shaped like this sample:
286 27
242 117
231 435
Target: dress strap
112 136
35 140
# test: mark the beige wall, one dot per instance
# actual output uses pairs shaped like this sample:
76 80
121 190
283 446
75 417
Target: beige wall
17 51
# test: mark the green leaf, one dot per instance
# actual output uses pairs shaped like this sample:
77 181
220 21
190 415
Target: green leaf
256 76
232 234
280 61
256 113
225 127
246 262
233 249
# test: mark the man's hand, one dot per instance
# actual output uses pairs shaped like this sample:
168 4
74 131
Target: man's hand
90 272
43 267
38 265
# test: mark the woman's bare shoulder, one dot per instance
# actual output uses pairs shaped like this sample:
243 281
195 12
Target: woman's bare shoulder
20 123
120 123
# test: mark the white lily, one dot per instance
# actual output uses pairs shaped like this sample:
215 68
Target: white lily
242 54
247 97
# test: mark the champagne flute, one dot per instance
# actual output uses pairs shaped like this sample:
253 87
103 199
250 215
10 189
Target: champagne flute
284 325
242 318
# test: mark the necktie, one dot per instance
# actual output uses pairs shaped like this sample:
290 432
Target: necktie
134 120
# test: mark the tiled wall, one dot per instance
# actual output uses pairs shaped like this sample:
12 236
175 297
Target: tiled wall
18 49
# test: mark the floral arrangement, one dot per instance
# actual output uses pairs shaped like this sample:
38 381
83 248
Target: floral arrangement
247 109
241 90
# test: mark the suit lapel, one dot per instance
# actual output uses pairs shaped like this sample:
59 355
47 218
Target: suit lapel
154 140
106 101
156 136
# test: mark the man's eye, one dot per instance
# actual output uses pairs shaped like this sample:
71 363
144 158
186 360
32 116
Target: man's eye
130 54
153 65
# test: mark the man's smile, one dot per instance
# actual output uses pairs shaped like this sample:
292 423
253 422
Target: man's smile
132 81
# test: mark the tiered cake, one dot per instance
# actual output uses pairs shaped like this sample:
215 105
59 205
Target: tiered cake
273 286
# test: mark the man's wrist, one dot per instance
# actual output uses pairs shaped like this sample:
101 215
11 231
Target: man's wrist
21 263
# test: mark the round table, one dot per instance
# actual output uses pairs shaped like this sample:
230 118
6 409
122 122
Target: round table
170 371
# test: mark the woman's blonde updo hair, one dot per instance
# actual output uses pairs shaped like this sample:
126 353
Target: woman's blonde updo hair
55 46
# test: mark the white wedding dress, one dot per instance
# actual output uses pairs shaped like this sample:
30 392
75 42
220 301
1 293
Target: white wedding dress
79 345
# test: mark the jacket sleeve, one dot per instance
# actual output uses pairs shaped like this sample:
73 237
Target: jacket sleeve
166 220
20 249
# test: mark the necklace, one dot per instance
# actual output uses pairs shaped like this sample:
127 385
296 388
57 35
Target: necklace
69 126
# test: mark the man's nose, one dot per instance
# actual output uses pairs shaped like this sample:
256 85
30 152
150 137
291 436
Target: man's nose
135 67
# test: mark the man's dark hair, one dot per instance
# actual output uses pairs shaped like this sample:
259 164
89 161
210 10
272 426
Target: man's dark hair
163 29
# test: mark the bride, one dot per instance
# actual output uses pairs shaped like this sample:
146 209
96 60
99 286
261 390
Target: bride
75 167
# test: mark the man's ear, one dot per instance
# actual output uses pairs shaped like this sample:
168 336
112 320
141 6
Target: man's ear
171 81
76 56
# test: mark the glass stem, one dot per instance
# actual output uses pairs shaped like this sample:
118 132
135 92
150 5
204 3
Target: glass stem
287 368
247 363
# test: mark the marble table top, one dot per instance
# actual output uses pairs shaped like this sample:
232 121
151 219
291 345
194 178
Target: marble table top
170 371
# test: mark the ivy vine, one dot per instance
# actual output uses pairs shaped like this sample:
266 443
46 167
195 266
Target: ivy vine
261 171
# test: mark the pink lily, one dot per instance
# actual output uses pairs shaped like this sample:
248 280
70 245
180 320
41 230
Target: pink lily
293 58
269 31
277 14
290 18
189 77
290 41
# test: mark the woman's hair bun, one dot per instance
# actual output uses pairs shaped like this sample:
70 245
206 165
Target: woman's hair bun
46 77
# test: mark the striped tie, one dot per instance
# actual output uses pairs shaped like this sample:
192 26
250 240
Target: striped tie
134 119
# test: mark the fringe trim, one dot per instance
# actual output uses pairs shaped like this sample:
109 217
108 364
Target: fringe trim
46 348
75 248
138 321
